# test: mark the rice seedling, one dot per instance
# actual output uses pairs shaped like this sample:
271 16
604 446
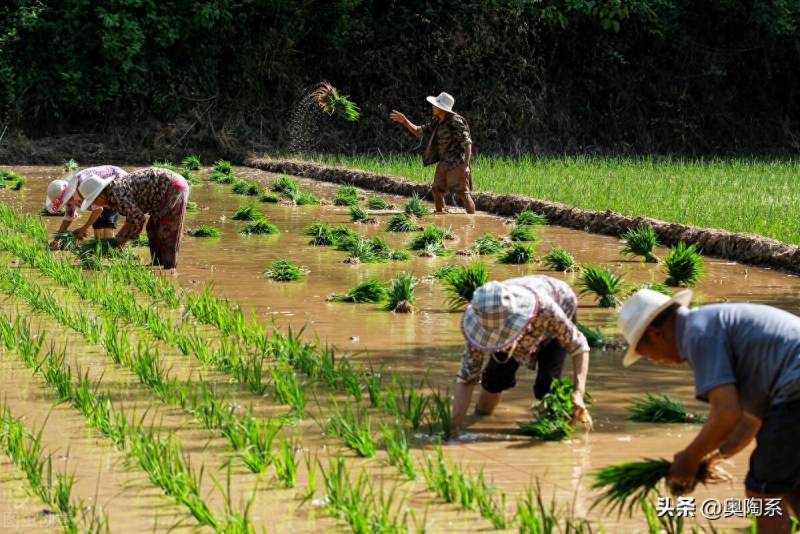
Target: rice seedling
285 271
602 283
451 483
222 166
70 166
269 197
165 165
352 426
361 250
241 187
288 390
321 234
522 233
401 223
346 195
595 338
189 176
441 417
534 516
377 203
416 207
661 409
553 414
558 259
44 213
259 227
370 291
654 286
233 521
401 293
400 255
9 176
373 382
683 265
358 214
396 443
192 162
286 464
204 230
443 272
460 283
669 523
627 484
19 184
191 207
285 185
529 218
518 254
345 497
430 235
342 234
247 213
404 400
641 241
302 198
92 252
222 178
66 240
486 244
332 103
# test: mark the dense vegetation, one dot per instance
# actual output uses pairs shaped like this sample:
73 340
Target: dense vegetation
542 76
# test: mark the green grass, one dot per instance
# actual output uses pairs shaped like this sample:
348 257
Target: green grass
641 241
401 294
683 265
558 259
518 254
284 271
460 283
247 213
369 291
401 223
661 409
739 194
259 227
204 230
416 207
599 281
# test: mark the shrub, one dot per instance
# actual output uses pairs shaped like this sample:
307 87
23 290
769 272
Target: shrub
601 282
684 265
642 242
204 230
284 271
558 259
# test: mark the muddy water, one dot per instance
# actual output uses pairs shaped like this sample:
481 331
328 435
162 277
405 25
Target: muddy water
430 341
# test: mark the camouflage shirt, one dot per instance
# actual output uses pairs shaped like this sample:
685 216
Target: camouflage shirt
449 142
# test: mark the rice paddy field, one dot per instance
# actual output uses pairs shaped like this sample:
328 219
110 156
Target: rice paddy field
740 195
276 381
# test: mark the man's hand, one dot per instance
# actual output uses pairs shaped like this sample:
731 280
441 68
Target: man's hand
55 244
120 243
579 412
396 116
682 476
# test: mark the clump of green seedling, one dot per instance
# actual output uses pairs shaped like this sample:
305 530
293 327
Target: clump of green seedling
347 498
377 203
430 235
641 241
684 265
285 185
346 195
403 399
44 213
222 173
192 207
191 162
70 165
595 338
558 259
460 283
396 443
654 286
441 417
552 422
401 293
661 409
165 165
269 197
352 426
446 270
92 252
518 254
302 198
370 291
534 516
486 244
66 240
360 215
522 232
286 463
416 207
321 234
401 223
259 227
288 390
189 176
529 218
223 166
247 213
285 271
333 103
242 187
602 283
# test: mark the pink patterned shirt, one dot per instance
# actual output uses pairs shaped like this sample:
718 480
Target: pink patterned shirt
103 171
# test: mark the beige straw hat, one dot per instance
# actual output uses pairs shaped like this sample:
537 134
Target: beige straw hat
444 101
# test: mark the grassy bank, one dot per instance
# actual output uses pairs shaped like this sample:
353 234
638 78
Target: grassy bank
761 197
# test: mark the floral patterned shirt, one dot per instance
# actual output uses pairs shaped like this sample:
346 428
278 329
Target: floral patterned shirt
103 171
450 139
554 320
139 193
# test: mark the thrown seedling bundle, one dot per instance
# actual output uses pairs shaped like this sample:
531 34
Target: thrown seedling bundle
654 286
222 172
269 197
429 241
487 244
346 195
92 252
377 203
333 103
554 413
321 234
684 265
360 215
529 218
248 189
259 227
461 282
518 254
401 294
285 271
204 230
416 207
70 165
191 207
369 291
192 163
641 241
15 181
661 409
522 232
402 223
247 213
558 259
602 283
595 338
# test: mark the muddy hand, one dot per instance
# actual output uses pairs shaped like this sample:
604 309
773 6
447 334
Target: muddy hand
579 412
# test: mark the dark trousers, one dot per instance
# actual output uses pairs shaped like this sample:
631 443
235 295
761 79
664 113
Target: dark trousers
499 377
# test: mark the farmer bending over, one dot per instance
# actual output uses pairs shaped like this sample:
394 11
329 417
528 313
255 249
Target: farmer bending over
528 320
160 193
450 145
64 193
746 364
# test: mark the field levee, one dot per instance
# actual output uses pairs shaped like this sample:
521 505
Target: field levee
742 247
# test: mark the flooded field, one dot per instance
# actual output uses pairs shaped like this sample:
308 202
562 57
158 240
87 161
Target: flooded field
424 345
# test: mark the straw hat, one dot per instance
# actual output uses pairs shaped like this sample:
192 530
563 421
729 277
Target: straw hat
56 197
444 101
91 188
498 315
639 311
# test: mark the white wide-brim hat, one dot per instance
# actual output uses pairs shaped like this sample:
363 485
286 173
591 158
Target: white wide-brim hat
90 189
498 315
444 101
639 311
56 197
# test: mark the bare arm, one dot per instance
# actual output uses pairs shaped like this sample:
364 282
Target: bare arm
742 435
396 116
468 154
92 218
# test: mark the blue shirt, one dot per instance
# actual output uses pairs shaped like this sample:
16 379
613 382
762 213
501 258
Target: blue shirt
755 347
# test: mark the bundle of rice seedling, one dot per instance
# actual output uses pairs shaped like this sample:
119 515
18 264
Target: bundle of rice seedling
399 255
654 286
416 207
321 234
285 185
139 242
601 282
191 163
247 213
486 244
346 195
165 165
246 188
595 338
377 203
684 265
662 409
44 213
445 271
558 259
284 271
259 227
204 230
332 103
430 235
358 214
381 247
369 291
92 252
302 198
223 167
361 250
190 178
9 176
401 223
519 254
222 178
460 283
343 233
522 232
554 413
529 218
401 294
71 165
21 181
66 240
629 483
191 207
267 196
641 241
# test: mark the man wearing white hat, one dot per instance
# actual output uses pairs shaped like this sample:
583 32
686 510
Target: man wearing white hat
746 364
450 145
527 321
